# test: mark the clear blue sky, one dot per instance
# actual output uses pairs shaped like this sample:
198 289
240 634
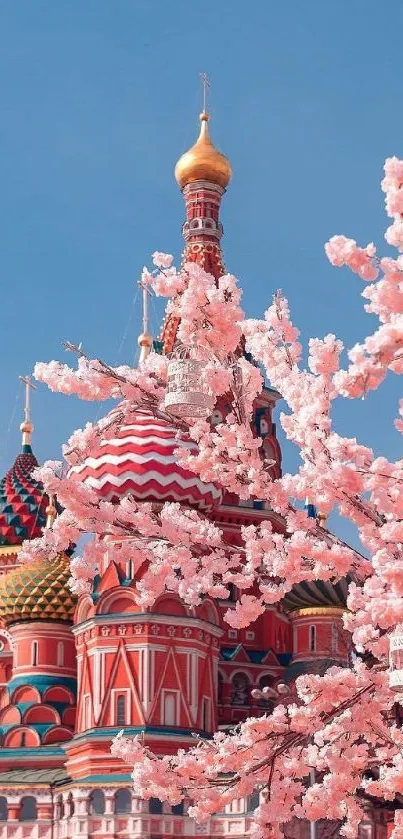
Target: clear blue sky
99 98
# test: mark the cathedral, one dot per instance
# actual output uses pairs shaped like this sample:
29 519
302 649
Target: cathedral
73 674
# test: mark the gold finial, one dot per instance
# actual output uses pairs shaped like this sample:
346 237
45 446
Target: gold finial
322 518
51 511
26 427
203 162
145 340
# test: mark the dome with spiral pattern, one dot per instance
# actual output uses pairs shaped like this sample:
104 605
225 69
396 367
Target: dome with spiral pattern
22 501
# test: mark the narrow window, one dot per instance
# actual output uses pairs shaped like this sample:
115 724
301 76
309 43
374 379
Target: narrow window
335 638
206 714
312 639
121 709
60 654
87 711
169 709
34 653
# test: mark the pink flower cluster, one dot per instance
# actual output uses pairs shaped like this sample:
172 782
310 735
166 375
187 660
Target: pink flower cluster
336 725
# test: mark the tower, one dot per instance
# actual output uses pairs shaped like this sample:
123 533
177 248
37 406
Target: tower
152 672
22 500
38 704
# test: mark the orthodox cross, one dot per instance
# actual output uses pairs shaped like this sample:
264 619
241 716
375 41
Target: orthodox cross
206 84
28 386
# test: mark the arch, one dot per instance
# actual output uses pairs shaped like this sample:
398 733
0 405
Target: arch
240 684
168 604
57 693
25 693
84 609
117 603
69 717
3 809
96 803
21 738
28 809
155 806
207 611
123 801
57 734
41 714
5 641
10 715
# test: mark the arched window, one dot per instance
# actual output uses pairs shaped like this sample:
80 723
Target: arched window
96 803
28 810
34 653
121 709
312 639
252 802
3 809
240 689
60 807
60 654
123 801
155 806
70 805
177 809
23 739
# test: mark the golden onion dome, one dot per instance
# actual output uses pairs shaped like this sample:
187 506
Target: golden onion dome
203 162
37 591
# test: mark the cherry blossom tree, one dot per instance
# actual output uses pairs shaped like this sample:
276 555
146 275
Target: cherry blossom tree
342 725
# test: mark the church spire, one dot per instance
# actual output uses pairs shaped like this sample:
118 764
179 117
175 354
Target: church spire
26 426
203 173
145 340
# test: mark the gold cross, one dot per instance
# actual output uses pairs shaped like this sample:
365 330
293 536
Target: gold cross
206 83
28 385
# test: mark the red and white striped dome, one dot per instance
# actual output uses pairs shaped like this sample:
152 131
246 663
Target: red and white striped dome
140 461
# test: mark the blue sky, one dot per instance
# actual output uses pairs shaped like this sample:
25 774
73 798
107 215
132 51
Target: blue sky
98 100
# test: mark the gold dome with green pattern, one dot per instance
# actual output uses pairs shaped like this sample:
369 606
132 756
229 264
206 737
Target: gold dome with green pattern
37 591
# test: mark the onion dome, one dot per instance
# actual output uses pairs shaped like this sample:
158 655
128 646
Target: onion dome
203 162
317 594
22 501
140 461
37 591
